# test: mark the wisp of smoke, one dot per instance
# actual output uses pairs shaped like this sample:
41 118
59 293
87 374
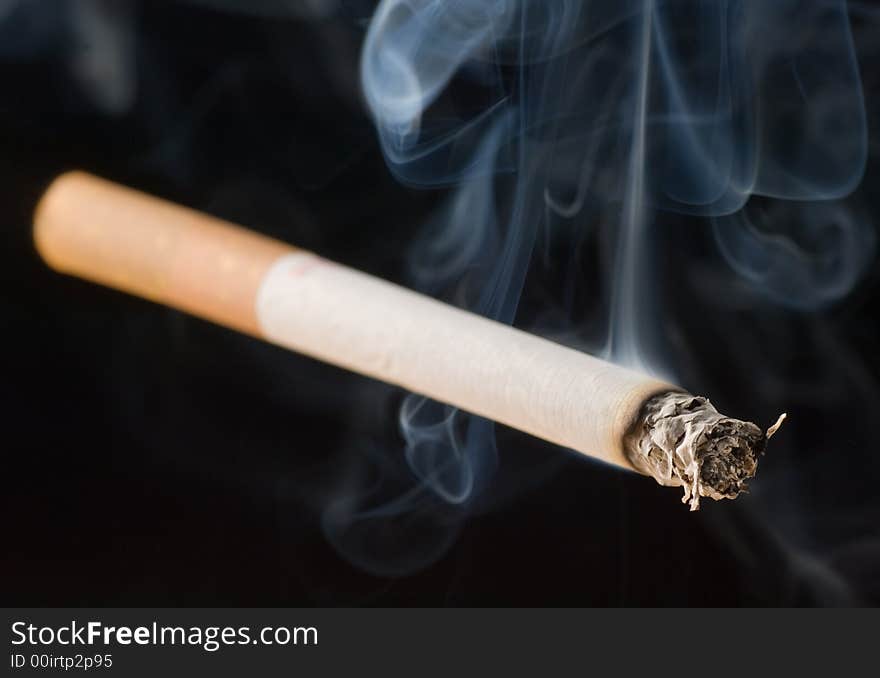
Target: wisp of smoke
746 114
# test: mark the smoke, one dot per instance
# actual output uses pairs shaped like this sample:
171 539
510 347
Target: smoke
622 121
800 255
93 38
103 52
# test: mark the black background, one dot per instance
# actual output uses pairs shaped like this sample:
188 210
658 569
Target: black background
152 459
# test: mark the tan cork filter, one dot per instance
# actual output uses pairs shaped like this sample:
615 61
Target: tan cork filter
116 236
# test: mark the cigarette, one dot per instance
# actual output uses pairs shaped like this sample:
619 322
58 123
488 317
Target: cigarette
113 235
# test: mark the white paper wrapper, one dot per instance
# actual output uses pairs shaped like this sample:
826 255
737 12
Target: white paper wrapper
367 325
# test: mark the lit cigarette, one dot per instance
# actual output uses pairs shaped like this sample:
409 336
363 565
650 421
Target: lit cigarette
151 248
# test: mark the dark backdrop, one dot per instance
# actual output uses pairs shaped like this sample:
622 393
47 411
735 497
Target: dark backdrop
150 458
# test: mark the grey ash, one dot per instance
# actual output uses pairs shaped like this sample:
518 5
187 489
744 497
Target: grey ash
682 440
